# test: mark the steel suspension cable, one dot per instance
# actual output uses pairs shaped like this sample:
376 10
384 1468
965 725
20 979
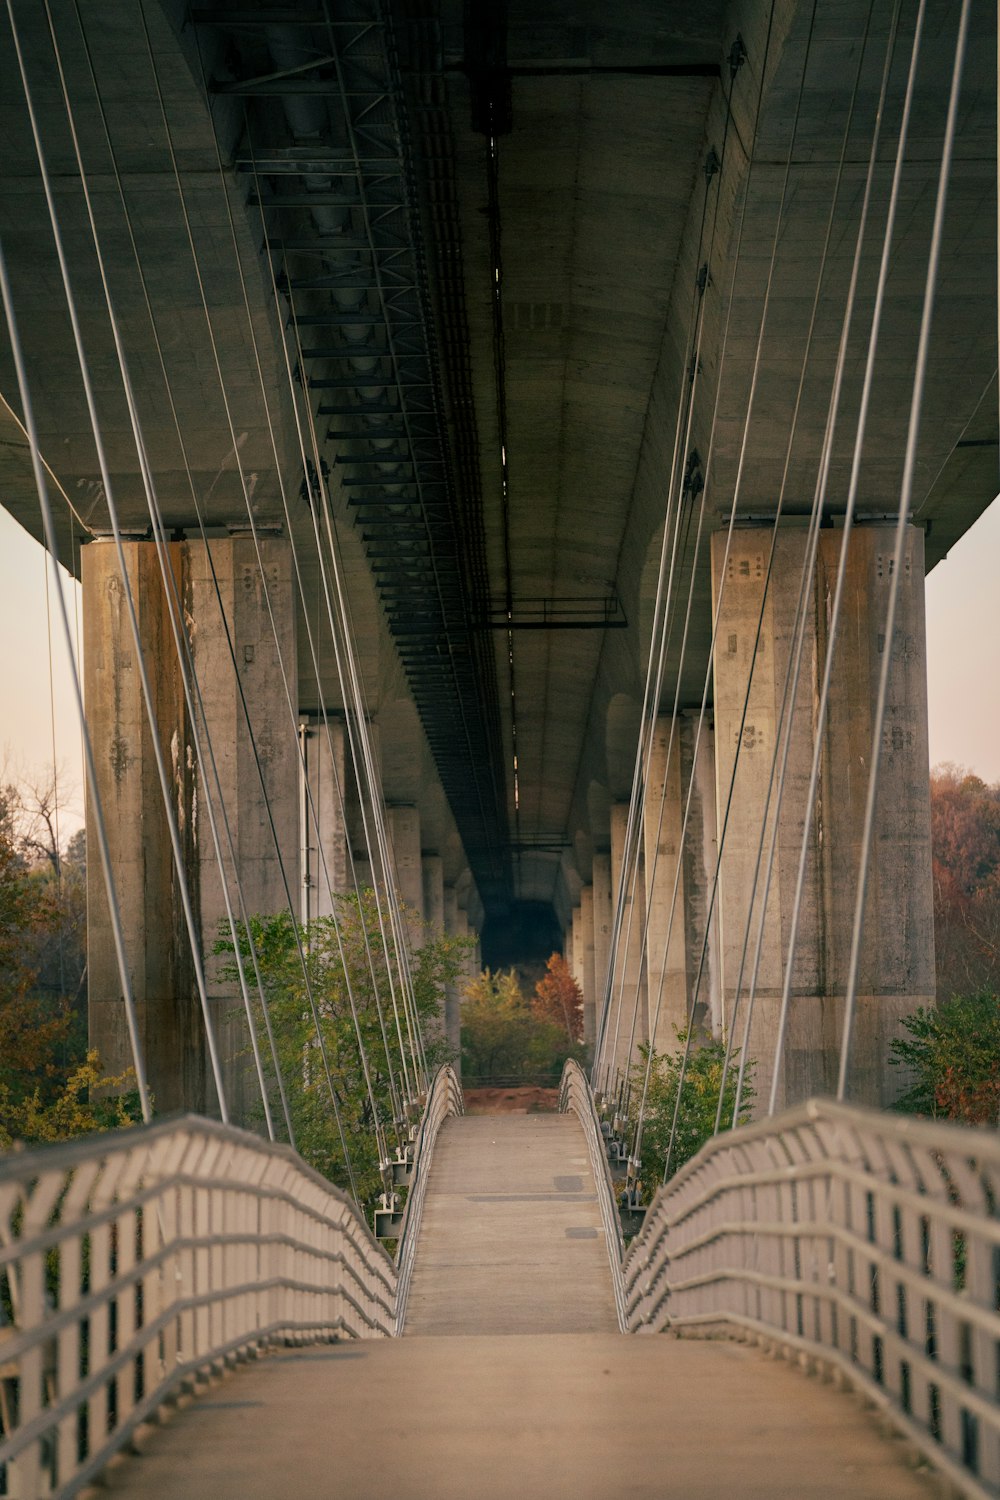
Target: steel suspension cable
790 686
96 805
340 635
349 986
905 504
189 677
299 579
835 609
729 534
662 611
84 367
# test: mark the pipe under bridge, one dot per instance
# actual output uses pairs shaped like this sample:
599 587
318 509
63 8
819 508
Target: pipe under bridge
191 1312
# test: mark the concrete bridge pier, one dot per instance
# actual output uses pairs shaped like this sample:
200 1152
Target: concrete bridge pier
897 957
687 977
324 854
588 963
404 838
452 994
230 573
627 1023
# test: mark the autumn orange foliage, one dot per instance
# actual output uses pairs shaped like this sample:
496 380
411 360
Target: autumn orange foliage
558 998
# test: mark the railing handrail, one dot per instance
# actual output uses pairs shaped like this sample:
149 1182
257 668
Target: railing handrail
575 1094
20 1162
133 1260
444 1097
867 1240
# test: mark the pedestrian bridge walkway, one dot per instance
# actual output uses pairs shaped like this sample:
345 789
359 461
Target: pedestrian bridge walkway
513 1379
513 1376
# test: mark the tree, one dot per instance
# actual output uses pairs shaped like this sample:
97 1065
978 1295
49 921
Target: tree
952 1057
559 999
47 1077
698 1106
965 832
504 1037
353 996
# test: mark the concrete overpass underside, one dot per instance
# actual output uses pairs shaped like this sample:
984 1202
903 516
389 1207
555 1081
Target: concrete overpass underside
515 285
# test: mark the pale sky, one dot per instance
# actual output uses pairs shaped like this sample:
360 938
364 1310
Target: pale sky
963 640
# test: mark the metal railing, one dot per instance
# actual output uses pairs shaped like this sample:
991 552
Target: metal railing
444 1098
575 1094
135 1261
867 1241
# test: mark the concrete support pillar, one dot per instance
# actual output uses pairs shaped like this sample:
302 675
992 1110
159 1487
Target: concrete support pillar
453 992
432 873
568 946
404 837
601 877
324 856
432 869
627 1019
159 959
248 615
588 984
666 956
576 966
699 855
897 961
156 936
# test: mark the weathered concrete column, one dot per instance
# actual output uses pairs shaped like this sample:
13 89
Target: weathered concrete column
627 1019
250 807
700 855
897 961
404 836
587 934
576 967
452 994
432 875
324 856
666 947
156 935
568 946
159 959
601 883
432 870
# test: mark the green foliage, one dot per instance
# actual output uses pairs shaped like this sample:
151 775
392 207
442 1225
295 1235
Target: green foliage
503 1036
340 973
952 1056
46 1073
699 1101
76 1105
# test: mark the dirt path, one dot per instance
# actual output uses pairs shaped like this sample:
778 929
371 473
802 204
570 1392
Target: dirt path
522 1100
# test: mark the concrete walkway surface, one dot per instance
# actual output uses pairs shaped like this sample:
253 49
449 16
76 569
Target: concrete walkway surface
529 1417
511 1239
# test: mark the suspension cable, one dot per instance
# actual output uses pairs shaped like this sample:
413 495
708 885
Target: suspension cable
790 687
835 609
662 609
905 503
178 855
100 827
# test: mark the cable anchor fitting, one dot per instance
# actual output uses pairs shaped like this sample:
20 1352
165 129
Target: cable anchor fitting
737 55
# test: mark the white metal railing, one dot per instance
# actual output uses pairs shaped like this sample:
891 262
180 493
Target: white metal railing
132 1261
575 1094
444 1098
869 1240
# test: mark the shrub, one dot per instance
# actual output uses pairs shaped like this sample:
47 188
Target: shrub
952 1054
698 1106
